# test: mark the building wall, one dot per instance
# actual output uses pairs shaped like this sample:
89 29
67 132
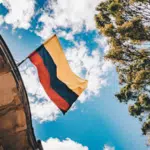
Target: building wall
16 131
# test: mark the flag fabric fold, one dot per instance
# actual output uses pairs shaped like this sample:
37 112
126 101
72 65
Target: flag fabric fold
62 86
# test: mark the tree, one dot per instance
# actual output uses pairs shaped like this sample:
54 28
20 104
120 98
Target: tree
126 24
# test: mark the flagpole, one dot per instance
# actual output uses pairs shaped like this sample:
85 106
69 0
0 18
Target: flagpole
25 58
22 61
35 50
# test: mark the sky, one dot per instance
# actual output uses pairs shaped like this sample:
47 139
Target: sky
97 121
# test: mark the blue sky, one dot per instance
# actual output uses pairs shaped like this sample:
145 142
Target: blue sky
97 121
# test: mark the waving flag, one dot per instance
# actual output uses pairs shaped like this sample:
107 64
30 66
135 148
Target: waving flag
61 85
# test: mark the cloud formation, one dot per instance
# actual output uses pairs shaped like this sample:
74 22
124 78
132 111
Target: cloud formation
73 14
90 66
107 147
1 20
42 108
68 144
19 13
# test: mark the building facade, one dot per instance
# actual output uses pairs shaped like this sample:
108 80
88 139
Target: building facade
16 131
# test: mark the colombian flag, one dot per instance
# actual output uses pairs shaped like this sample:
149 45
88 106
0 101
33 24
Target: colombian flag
61 85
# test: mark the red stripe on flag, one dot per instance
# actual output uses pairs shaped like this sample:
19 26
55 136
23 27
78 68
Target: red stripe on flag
44 78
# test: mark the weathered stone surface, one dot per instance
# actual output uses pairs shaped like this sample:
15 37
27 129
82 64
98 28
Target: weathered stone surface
16 132
7 86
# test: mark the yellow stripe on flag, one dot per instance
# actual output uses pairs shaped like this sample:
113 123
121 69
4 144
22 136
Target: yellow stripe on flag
64 72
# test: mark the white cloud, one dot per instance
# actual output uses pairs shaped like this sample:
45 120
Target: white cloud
19 13
103 43
6 27
68 144
46 31
42 108
74 14
89 66
107 147
20 37
44 111
68 36
1 20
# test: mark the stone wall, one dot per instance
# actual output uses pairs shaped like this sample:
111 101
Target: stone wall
16 131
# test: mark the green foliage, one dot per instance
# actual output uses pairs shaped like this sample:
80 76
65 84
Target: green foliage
114 8
108 30
146 127
144 101
142 1
127 30
136 109
124 94
120 20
